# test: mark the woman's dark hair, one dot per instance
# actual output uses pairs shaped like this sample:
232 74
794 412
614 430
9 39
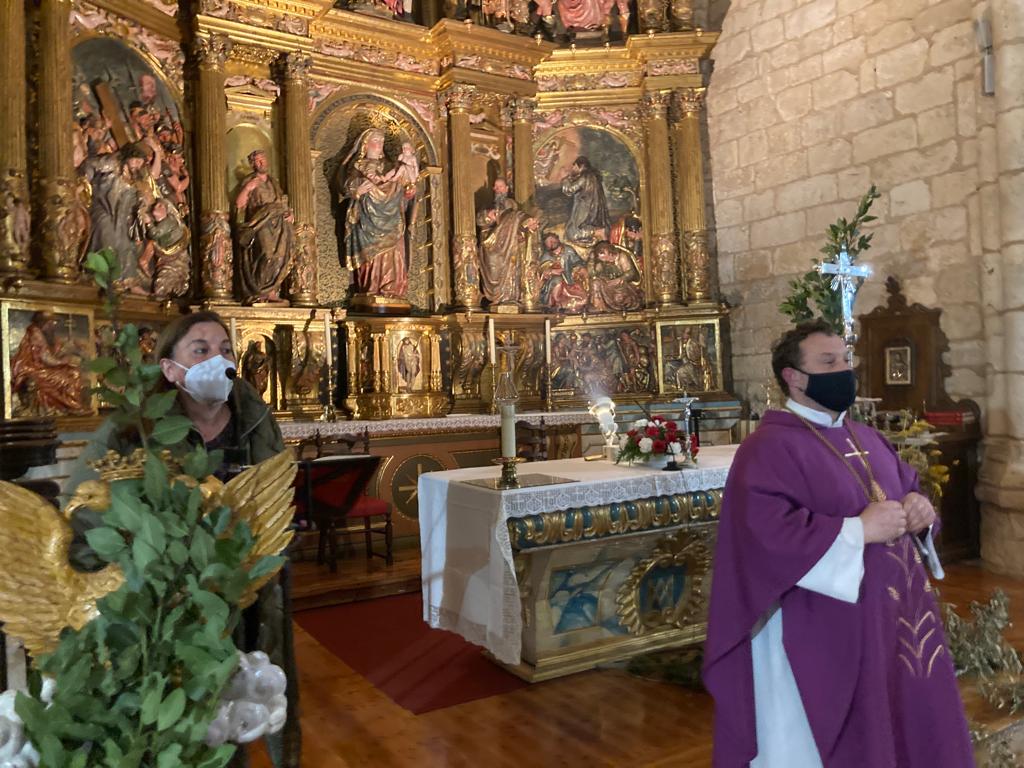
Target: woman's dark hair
177 329
786 351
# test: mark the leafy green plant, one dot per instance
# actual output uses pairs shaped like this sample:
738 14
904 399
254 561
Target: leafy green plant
126 382
140 684
811 295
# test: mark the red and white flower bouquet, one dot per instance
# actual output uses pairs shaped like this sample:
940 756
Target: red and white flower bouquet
652 439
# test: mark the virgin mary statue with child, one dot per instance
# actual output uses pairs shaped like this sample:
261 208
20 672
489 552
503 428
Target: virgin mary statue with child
378 204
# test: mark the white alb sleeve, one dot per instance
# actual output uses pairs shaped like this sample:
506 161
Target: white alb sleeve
840 570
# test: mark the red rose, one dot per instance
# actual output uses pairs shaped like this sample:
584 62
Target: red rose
694 446
671 435
670 425
653 432
658 447
631 433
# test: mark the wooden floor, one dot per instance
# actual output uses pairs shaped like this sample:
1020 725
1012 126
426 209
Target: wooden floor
597 719
357 578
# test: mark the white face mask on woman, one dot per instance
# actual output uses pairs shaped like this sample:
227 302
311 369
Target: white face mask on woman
209 381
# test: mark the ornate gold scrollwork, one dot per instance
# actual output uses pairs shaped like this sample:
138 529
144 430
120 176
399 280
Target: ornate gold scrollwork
613 519
690 550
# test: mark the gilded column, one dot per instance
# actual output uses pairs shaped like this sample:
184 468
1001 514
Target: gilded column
522 171
689 169
299 177
659 184
57 197
215 250
522 149
466 276
14 203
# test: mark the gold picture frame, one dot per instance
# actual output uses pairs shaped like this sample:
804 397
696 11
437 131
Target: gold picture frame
45 347
689 356
899 366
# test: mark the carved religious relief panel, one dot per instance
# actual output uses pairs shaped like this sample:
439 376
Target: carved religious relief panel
690 356
579 21
587 362
44 347
469 356
375 232
591 236
129 150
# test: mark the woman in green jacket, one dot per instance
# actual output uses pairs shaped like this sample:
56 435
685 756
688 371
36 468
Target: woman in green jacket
196 356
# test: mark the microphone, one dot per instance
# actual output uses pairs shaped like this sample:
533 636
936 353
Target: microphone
231 373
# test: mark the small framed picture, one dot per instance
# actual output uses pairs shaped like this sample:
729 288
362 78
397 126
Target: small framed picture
44 350
899 366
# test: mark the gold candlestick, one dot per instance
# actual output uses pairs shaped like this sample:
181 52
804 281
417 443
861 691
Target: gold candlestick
509 475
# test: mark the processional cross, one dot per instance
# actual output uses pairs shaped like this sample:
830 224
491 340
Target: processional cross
844 272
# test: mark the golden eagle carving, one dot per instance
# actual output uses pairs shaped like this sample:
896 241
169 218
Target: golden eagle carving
41 594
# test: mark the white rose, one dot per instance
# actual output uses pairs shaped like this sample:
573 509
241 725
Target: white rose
640 423
675 448
645 444
623 441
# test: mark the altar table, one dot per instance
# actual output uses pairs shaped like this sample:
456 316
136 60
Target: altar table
554 579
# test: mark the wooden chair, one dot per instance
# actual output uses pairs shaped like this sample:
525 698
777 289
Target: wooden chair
331 486
532 440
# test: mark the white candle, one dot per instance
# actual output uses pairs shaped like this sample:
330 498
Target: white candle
329 350
547 341
490 341
508 430
234 336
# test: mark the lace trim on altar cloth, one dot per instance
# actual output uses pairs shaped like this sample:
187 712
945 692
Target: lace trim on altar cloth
557 498
505 649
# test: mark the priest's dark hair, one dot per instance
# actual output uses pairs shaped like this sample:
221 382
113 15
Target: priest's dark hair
786 351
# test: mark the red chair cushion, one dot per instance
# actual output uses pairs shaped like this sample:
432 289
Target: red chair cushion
369 507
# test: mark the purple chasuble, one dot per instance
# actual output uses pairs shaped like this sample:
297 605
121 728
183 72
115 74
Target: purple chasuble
875 677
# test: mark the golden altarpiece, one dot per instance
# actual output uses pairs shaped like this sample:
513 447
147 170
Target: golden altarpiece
374 197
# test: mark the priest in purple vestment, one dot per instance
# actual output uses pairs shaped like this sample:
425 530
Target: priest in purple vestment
825 643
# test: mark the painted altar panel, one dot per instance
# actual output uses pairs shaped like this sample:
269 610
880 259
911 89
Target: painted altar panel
129 148
44 346
690 356
588 190
589 361
337 127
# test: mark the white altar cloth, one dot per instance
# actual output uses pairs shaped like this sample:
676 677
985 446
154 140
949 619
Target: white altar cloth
469 582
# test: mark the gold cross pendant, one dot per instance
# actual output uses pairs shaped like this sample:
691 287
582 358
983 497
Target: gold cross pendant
855 452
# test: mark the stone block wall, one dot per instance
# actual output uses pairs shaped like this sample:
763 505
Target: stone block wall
809 103
813 100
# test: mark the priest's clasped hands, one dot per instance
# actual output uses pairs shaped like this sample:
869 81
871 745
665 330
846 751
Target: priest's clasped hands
888 520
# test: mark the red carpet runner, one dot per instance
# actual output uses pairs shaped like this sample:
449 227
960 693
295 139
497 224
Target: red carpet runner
419 668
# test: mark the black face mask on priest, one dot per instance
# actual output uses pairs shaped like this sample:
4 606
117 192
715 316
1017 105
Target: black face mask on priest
835 391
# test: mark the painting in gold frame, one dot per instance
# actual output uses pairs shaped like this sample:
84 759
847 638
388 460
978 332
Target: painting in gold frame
44 350
689 356
899 366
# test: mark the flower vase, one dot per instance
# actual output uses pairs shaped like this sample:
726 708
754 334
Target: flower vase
656 461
